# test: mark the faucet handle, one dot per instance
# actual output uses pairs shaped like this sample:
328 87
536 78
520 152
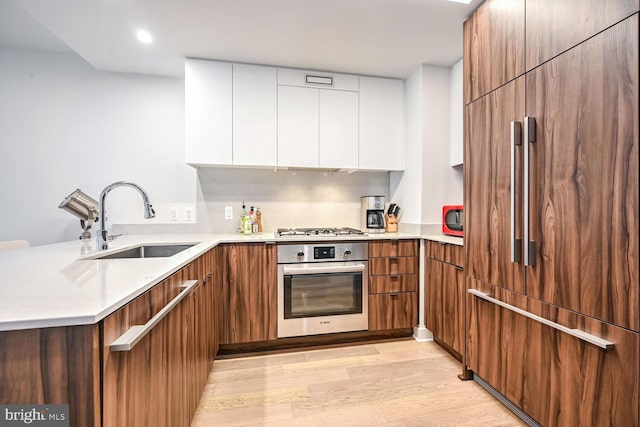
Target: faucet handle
111 237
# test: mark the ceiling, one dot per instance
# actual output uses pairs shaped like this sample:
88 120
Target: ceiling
377 37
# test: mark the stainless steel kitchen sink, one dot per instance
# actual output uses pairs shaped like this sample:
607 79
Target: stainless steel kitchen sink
146 251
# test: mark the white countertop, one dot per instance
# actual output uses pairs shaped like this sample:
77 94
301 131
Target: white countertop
453 240
52 285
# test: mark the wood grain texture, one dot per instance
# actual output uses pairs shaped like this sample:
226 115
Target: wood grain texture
554 26
487 188
53 366
393 311
445 252
145 386
396 283
493 47
393 265
584 179
250 280
444 303
393 248
556 378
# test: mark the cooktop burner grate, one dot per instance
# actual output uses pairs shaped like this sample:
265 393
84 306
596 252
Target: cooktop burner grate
320 231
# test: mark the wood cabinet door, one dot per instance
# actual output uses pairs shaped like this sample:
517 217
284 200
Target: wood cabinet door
493 39
444 303
556 378
554 26
584 177
250 280
145 386
392 311
487 188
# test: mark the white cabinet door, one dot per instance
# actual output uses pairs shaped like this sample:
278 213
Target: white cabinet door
338 129
208 101
298 124
255 109
381 124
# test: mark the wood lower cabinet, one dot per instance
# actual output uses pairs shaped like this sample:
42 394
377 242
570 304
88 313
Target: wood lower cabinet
556 378
249 281
392 311
444 297
53 366
393 284
159 381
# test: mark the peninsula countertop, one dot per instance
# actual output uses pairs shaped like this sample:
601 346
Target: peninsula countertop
57 285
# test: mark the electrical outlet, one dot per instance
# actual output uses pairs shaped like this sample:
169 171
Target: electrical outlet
228 212
173 213
188 214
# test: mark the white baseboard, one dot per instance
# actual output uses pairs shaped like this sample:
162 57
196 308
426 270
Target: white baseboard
422 334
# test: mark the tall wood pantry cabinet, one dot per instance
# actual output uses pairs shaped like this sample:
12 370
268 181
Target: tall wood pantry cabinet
551 204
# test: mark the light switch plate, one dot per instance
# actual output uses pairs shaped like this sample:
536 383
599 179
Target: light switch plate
188 214
173 213
228 212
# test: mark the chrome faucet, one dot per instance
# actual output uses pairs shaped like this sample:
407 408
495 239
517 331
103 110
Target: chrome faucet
102 235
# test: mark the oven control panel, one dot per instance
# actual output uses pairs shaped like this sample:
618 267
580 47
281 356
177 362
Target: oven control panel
322 252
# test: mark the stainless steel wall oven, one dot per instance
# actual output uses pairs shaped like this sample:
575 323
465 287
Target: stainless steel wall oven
322 288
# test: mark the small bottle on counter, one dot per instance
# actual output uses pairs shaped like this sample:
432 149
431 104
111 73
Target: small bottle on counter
245 227
259 220
254 221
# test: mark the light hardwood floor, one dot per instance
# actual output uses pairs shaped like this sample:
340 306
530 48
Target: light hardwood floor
400 383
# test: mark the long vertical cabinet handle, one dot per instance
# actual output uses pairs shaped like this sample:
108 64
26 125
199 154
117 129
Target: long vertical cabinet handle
530 137
516 131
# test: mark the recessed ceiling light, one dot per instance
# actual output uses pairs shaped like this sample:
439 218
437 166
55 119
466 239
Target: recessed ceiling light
144 37
461 1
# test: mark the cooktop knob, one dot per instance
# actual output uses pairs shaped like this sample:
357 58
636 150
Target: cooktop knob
301 254
347 252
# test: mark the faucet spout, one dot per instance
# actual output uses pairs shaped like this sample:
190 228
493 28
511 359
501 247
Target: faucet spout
102 235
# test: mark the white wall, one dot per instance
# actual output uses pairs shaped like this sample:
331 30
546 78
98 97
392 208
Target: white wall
406 186
64 125
441 184
456 114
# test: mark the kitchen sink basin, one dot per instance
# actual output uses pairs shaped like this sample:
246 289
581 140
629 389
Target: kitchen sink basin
147 251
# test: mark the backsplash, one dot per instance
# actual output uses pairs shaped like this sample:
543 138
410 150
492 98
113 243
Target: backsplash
286 198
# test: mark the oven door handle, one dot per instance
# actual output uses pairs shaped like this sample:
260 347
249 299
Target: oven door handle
292 270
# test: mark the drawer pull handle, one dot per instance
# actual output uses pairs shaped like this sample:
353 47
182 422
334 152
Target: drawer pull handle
591 339
458 268
134 334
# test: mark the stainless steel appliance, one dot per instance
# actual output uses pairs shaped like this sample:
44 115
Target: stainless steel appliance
372 213
320 231
322 288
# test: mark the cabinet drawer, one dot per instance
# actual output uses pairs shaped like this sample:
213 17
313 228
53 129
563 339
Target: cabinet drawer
319 79
445 252
524 359
393 283
392 311
393 265
393 248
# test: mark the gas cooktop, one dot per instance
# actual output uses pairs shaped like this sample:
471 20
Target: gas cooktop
322 231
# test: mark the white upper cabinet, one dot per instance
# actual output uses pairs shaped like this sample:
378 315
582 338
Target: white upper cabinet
381 124
255 109
298 124
338 129
317 119
456 115
208 112
252 115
